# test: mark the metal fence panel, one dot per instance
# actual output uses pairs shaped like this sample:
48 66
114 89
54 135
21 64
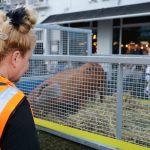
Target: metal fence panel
58 40
93 94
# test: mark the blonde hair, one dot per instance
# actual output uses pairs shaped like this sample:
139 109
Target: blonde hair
2 17
15 32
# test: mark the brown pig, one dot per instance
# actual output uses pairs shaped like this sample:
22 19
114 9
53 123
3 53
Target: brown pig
69 90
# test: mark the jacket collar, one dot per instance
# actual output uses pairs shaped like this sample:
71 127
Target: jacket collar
6 81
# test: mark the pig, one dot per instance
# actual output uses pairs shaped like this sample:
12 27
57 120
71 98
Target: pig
69 90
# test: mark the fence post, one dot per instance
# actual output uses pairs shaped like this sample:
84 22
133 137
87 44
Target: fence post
68 43
119 101
61 43
89 44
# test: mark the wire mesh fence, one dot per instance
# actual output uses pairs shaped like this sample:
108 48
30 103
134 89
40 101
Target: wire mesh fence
58 40
93 94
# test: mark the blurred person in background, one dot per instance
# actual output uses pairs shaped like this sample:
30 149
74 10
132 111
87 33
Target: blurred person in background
134 49
147 76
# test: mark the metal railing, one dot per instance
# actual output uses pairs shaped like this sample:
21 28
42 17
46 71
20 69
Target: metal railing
59 40
104 95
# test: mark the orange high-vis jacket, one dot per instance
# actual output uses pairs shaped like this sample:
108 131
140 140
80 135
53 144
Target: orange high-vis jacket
10 97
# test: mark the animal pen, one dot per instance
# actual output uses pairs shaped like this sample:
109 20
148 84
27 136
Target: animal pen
98 101
58 40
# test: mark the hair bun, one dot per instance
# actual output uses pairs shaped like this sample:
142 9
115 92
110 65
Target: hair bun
22 19
16 16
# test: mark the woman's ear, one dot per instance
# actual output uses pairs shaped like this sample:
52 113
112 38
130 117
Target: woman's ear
15 58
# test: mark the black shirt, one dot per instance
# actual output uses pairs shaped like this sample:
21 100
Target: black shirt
20 132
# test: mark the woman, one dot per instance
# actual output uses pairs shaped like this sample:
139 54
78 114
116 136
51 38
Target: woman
17 128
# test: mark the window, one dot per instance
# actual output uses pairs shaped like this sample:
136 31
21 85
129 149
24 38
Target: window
115 41
80 24
135 35
94 24
135 40
145 19
116 22
94 41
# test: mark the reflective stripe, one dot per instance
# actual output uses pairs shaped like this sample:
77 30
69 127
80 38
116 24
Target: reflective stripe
6 95
9 99
6 81
2 88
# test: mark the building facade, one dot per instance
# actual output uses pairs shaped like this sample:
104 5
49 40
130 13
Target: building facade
8 4
119 26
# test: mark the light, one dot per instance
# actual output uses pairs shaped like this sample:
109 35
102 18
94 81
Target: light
94 37
146 45
94 43
126 45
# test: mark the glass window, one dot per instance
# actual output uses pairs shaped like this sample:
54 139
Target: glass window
116 22
116 41
94 42
80 24
94 24
134 20
65 25
135 40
